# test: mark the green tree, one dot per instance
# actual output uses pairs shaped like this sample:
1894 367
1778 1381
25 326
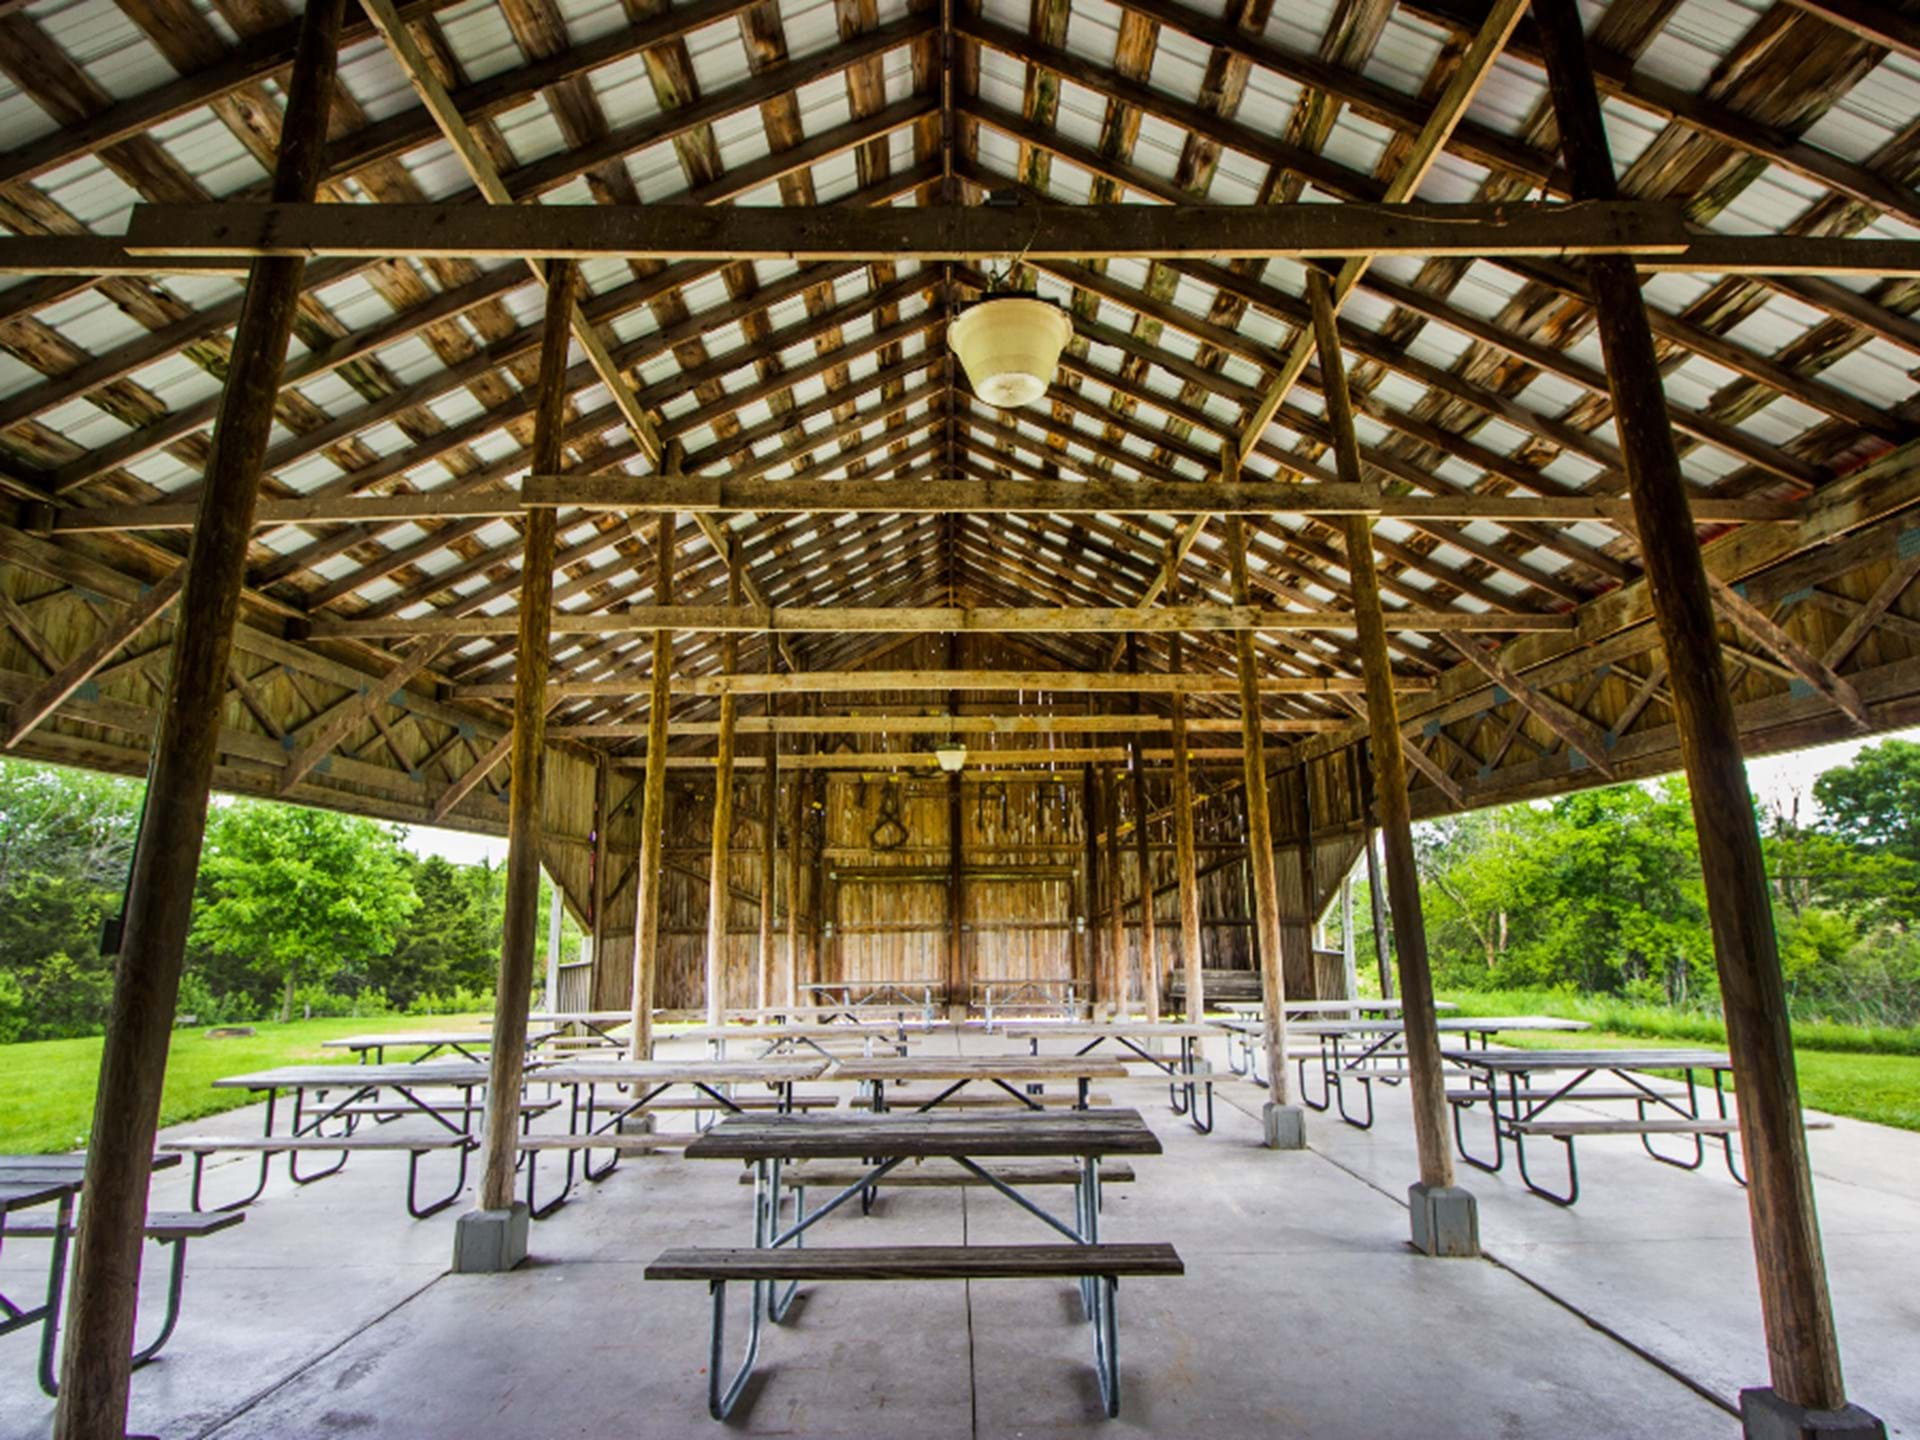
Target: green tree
300 894
453 939
66 840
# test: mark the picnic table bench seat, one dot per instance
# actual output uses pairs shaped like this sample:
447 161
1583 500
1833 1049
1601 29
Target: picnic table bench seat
837 1175
917 1262
165 1227
1095 1100
415 1147
1100 1266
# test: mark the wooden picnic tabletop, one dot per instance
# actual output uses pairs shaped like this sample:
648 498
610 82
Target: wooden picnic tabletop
785 1032
352 1077
679 1072
841 1136
1324 1007
1468 1024
17 1168
1672 1059
1090 1030
18 1195
1010 1068
418 1037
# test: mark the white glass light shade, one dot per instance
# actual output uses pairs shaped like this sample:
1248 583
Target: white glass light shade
1010 348
951 754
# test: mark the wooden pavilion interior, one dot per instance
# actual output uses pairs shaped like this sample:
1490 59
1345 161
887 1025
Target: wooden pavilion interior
538 417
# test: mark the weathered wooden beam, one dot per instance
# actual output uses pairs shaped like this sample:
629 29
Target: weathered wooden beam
1422 1036
1184 848
752 619
929 233
734 493
653 803
1792 654
1870 614
1556 716
101 255
840 682
513 987
863 724
1791 254
1802 1347
96 1354
1137 783
350 714
1260 859
722 826
53 692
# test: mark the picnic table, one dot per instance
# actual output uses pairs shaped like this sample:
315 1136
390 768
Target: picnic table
848 997
30 1182
1521 1106
880 1144
1245 1028
1187 1073
1380 1055
359 1089
1058 996
372 1049
956 1072
593 1026
787 1039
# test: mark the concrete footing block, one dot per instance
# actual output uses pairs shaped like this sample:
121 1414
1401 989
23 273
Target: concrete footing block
1446 1220
1765 1416
486 1242
1286 1127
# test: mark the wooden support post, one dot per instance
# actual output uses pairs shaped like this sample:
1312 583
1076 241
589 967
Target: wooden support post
602 823
1297 923
956 860
718 880
1116 976
1427 1082
1376 889
796 823
1150 974
1803 1350
96 1361
1089 959
1266 894
766 987
514 989
653 804
1183 849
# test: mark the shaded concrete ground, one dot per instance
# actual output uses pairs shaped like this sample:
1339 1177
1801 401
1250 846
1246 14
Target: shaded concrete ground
1302 1312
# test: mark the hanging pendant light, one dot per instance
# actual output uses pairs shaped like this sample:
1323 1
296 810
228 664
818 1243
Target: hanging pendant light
1010 348
950 755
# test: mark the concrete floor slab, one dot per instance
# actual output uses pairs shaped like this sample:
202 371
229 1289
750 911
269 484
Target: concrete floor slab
1303 1311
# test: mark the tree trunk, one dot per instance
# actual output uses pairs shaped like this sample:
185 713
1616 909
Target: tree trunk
286 999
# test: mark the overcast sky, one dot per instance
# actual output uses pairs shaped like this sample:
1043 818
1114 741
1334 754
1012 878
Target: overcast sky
1777 780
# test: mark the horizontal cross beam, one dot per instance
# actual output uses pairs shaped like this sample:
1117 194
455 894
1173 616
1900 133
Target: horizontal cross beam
716 495
937 725
841 682
1103 496
929 233
936 619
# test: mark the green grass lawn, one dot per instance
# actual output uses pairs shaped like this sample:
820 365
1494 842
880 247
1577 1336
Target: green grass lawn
46 1102
1863 1085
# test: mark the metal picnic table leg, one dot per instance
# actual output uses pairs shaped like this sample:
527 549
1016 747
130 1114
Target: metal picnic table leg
1493 1111
56 1293
1515 1079
1692 1113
